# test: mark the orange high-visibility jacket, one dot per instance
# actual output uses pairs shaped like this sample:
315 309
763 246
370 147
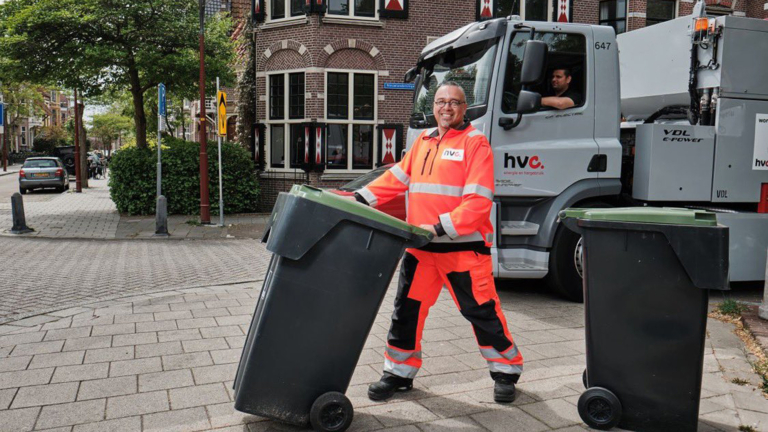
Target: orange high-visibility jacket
449 180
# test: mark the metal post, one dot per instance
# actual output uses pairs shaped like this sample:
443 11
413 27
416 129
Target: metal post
4 139
762 311
221 189
161 217
205 210
159 153
19 220
78 168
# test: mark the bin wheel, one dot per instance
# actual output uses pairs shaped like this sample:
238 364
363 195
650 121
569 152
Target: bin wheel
584 379
331 412
600 408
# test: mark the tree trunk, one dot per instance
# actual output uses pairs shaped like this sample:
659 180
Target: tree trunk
139 117
83 149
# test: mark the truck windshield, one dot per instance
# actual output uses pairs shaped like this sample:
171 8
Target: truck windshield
470 66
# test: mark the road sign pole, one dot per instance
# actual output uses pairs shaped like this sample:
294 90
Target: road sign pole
78 164
221 188
2 137
160 113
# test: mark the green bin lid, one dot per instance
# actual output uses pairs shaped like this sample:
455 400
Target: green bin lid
333 200
657 215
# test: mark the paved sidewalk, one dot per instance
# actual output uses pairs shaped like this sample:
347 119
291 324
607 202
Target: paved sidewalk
166 361
93 215
12 169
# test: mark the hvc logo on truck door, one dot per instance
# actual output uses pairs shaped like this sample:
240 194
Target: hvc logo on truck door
532 162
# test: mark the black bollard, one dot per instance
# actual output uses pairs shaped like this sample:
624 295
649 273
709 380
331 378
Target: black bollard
19 220
161 217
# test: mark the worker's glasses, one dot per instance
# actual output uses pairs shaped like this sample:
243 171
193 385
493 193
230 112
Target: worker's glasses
453 103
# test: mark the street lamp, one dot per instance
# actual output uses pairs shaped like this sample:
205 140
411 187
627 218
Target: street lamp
205 211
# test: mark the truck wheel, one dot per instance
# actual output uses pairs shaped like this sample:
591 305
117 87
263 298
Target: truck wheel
564 277
331 412
599 408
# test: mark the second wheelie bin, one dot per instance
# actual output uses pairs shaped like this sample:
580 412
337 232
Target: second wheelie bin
332 262
647 275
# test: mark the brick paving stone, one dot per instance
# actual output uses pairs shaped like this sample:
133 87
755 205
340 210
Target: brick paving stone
87 343
14 363
20 420
204 313
159 349
499 420
156 326
80 372
456 423
187 306
204 345
45 395
226 356
235 341
107 387
214 332
196 323
165 380
142 403
178 335
25 378
400 413
177 315
135 367
134 318
193 419
224 414
182 361
201 395
128 424
212 374
38 348
108 354
555 413
134 339
24 338
69 333
6 396
113 329
57 359
71 414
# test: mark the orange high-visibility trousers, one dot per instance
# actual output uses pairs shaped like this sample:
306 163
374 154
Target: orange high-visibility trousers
468 276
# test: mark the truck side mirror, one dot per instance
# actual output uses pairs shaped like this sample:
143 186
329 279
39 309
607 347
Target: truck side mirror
410 75
534 62
528 102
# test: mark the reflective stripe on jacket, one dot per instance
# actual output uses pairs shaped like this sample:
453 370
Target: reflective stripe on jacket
449 180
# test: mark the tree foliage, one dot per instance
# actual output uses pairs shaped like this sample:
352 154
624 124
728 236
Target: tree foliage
22 100
49 138
109 127
107 45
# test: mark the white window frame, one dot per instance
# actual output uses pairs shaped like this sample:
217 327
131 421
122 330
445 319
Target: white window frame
302 17
550 9
286 121
23 136
350 121
352 16
677 11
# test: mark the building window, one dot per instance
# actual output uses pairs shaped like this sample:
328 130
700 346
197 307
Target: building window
659 11
530 10
286 113
356 8
278 8
351 120
23 136
614 13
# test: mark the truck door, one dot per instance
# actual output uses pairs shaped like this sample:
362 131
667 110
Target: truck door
550 150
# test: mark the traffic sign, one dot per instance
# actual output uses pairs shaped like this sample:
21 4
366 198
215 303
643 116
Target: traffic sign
2 117
222 112
161 99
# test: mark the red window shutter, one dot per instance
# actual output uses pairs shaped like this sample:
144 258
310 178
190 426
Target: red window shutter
257 10
393 9
390 143
485 9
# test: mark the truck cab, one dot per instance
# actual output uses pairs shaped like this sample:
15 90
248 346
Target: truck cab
549 159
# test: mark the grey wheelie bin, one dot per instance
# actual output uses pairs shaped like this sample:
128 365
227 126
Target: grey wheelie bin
647 272
332 262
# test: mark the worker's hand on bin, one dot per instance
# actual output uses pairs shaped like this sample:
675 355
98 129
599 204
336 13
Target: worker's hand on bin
430 228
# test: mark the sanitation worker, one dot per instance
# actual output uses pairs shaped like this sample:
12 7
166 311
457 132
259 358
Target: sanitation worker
448 174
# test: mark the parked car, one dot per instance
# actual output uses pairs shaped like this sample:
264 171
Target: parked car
395 207
43 172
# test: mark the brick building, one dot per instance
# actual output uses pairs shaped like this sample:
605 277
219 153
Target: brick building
330 88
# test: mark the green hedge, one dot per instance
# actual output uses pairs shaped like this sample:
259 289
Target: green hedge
133 184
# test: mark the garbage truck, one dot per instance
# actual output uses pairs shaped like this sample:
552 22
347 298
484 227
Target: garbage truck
671 115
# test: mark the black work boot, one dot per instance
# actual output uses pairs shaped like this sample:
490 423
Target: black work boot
504 388
386 387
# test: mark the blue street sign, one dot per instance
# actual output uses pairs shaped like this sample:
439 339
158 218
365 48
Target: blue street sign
2 116
399 86
161 99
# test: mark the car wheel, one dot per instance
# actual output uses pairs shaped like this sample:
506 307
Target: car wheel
22 191
564 277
